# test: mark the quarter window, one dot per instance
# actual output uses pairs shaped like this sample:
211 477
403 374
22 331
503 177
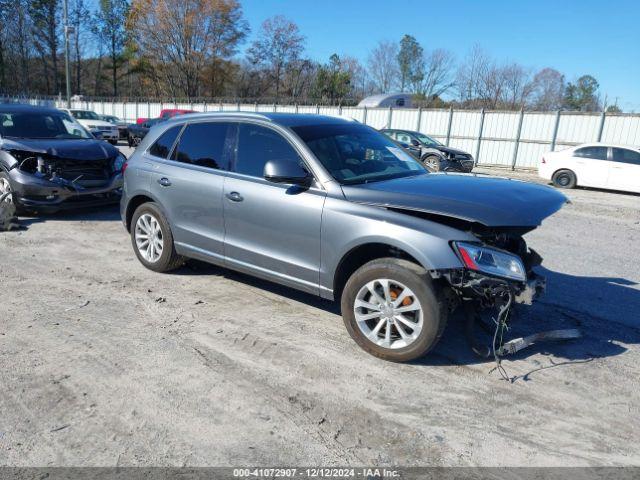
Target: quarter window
598 153
203 144
626 156
257 145
162 147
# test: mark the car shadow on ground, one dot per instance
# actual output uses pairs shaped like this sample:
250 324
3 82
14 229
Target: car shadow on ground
107 213
602 334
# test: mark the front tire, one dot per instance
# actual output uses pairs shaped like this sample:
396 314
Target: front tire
392 309
564 179
5 187
152 239
432 162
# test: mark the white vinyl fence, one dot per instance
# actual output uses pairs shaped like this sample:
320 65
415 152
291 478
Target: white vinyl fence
510 139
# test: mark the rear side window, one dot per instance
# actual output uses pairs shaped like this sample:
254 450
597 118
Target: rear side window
257 145
598 153
203 144
162 147
626 156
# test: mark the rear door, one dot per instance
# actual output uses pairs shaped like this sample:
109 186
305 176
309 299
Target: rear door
591 165
625 170
272 229
189 185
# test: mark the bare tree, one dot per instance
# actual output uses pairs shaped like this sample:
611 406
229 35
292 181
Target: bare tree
483 83
278 45
517 86
177 39
110 28
383 66
45 22
548 89
298 77
357 75
470 75
437 77
80 18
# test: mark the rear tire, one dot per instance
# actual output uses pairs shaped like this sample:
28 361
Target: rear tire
564 179
152 239
371 314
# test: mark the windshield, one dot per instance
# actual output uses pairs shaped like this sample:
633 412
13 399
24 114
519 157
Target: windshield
428 141
85 115
40 125
354 153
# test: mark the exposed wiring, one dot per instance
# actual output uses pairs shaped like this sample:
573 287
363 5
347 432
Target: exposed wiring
501 326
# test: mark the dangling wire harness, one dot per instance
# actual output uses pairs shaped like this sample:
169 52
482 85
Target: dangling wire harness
505 296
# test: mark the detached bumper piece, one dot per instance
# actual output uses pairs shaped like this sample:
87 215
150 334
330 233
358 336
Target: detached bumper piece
499 296
517 344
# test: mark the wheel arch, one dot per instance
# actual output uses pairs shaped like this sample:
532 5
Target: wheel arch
134 203
365 252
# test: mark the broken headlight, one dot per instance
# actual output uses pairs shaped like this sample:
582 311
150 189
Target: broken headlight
491 261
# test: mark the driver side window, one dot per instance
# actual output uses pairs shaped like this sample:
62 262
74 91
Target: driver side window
257 145
403 138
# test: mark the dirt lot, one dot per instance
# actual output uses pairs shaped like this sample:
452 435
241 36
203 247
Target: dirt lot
105 363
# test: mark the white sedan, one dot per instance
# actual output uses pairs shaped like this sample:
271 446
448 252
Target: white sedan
92 122
614 167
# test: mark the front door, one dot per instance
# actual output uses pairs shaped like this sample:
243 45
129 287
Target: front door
272 230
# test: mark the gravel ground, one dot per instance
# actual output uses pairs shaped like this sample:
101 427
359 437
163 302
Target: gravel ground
105 363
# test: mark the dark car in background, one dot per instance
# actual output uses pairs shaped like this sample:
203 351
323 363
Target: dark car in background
433 154
48 161
118 122
137 131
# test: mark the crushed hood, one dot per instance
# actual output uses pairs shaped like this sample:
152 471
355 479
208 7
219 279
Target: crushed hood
72 149
491 201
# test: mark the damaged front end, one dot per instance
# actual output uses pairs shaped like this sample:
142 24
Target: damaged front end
498 272
44 181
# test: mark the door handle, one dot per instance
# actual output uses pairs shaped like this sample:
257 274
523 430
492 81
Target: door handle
234 196
164 181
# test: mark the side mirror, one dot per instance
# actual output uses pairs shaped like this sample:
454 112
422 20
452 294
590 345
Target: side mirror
286 171
415 143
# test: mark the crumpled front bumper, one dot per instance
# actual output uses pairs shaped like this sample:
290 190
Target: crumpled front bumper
41 194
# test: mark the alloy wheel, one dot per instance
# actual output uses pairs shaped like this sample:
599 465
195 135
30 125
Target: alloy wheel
149 238
5 187
388 313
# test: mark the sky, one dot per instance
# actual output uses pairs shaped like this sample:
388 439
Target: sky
576 37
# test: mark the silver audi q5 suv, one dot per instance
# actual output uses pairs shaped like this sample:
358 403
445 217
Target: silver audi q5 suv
335 208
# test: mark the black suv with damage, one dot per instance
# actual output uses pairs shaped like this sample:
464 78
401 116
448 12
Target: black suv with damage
433 154
48 161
